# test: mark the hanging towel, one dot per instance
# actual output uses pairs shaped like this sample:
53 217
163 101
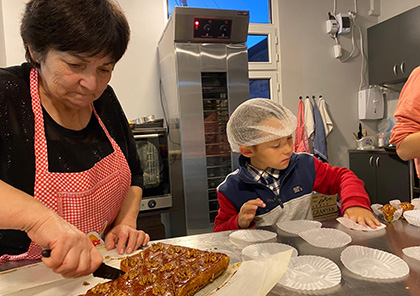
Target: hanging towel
328 125
301 139
320 142
309 118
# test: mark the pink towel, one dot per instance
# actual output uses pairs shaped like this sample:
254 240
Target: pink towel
301 138
407 112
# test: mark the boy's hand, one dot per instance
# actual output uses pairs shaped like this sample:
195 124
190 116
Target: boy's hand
362 216
247 212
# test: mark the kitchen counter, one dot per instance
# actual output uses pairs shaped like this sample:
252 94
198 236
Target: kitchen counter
394 238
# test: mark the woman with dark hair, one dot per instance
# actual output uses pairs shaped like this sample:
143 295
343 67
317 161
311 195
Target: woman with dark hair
68 161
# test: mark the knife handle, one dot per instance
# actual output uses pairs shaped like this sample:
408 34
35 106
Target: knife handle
46 253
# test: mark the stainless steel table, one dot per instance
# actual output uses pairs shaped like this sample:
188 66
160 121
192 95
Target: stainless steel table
394 238
397 236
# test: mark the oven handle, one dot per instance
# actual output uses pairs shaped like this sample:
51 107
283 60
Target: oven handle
146 136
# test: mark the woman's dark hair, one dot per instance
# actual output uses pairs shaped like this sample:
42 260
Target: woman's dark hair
79 26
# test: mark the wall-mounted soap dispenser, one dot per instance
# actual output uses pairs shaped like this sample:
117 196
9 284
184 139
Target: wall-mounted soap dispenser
371 103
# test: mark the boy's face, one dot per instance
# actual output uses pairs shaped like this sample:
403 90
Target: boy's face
274 154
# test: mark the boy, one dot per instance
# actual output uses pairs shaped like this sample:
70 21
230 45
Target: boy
274 184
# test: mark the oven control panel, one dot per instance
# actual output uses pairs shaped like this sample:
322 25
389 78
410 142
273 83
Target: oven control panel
156 202
212 28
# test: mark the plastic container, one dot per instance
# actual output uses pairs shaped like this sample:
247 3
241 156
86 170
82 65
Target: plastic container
383 139
366 143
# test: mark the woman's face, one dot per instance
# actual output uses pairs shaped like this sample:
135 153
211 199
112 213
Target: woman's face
74 80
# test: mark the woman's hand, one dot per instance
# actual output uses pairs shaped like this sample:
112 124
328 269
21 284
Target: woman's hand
362 216
247 212
125 238
72 253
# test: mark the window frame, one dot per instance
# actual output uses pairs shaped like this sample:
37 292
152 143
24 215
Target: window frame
272 77
270 32
268 70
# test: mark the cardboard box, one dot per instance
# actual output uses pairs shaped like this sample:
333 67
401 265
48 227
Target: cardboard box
324 206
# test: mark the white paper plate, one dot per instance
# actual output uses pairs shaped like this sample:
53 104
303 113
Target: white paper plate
413 252
260 251
311 273
373 263
326 237
252 236
297 226
413 217
416 203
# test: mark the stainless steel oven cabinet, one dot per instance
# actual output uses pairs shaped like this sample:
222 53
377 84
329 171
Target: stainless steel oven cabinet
152 148
204 73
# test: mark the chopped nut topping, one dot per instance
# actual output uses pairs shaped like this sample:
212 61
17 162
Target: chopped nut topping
151 263
156 247
147 280
131 274
167 267
158 290
101 288
192 253
118 293
210 257
184 273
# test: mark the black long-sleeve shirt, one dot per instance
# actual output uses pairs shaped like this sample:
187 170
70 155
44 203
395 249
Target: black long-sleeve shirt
68 150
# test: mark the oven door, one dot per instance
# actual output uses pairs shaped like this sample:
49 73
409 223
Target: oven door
153 153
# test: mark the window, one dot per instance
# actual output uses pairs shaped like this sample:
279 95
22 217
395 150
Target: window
262 51
259 11
263 84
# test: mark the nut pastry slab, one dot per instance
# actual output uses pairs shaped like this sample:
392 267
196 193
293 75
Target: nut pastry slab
157 252
164 270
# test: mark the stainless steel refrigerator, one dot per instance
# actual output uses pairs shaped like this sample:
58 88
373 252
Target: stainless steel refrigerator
204 77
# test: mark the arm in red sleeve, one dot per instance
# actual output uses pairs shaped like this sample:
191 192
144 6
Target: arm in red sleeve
227 217
341 181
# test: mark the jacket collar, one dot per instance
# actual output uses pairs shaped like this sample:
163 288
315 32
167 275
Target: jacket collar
246 176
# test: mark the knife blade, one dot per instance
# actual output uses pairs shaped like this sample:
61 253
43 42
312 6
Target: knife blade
104 271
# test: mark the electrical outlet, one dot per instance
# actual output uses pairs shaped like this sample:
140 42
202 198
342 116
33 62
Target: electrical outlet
332 27
344 23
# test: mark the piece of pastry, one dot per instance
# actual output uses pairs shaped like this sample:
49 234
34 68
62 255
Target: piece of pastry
406 206
164 270
388 212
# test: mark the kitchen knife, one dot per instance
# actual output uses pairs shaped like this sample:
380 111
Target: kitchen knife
103 271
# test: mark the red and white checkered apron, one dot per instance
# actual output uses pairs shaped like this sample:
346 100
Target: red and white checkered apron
89 199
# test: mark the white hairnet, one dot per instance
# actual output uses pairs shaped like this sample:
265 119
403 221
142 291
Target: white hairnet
251 123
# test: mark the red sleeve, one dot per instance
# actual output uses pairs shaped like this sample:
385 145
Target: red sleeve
227 217
341 181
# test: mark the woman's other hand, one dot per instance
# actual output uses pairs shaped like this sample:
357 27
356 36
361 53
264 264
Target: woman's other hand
125 238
